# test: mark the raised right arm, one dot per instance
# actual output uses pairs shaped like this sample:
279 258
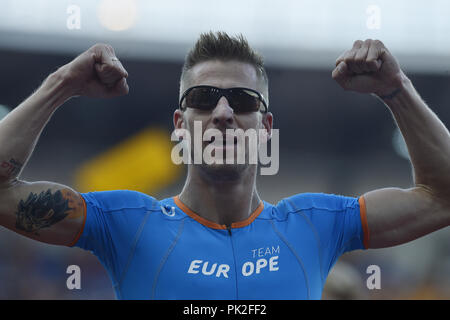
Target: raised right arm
47 211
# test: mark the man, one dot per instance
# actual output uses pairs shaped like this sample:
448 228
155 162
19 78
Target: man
217 239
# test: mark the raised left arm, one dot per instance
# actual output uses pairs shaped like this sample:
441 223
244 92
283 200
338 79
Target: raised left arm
395 215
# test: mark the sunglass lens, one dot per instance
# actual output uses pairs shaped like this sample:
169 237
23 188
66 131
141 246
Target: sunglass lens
201 98
244 100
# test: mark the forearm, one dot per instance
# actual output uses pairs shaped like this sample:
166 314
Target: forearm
21 128
426 137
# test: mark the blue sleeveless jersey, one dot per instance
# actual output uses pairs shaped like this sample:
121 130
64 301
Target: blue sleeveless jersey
162 250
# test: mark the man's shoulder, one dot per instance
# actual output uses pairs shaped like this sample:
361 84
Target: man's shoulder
121 199
319 201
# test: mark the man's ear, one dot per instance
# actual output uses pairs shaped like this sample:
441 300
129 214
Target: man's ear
178 121
267 122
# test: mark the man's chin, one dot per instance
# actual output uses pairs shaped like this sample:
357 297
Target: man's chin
224 172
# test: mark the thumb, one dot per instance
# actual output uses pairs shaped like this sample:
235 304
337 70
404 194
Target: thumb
120 88
107 73
97 89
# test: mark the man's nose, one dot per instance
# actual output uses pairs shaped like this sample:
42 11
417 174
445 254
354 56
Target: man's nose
222 113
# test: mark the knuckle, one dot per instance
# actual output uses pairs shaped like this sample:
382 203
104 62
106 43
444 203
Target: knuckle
348 55
99 45
360 59
349 59
335 75
338 61
367 43
102 46
97 49
378 42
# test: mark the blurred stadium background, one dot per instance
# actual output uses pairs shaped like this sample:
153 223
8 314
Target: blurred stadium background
330 141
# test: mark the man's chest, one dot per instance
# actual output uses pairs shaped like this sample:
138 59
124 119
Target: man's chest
194 262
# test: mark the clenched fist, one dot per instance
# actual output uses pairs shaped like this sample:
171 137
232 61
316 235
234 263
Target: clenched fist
97 72
368 67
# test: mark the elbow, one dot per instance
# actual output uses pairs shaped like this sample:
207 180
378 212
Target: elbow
437 186
440 197
7 184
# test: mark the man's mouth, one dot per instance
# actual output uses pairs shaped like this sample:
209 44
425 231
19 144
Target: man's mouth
224 141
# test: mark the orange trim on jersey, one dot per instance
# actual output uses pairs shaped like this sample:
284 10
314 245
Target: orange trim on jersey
365 226
77 237
214 225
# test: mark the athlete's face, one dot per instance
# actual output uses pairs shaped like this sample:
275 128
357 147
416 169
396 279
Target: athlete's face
222 74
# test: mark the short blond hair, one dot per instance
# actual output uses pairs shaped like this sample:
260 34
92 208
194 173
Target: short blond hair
220 46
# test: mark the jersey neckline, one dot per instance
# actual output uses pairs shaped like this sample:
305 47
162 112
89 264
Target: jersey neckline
214 225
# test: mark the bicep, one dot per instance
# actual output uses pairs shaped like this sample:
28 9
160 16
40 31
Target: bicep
43 211
396 216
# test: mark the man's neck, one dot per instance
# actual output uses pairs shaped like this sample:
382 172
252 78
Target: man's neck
222 202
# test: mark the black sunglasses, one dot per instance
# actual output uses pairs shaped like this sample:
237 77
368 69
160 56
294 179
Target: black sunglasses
207 97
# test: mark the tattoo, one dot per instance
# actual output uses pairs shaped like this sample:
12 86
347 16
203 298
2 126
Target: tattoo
41 211
391 95
76 203
12 167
